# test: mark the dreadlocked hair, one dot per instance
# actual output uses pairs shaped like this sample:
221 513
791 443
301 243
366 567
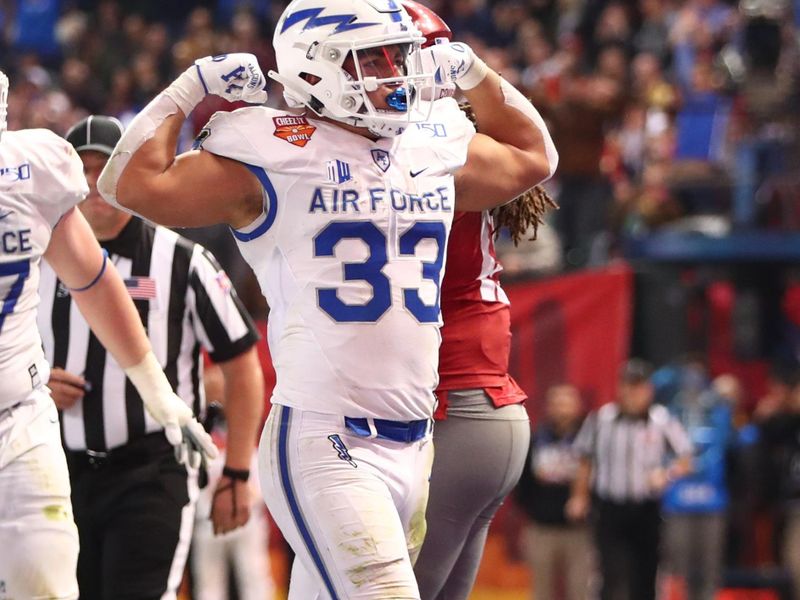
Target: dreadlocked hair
525 211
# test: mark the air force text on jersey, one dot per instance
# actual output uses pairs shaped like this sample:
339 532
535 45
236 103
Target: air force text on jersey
350 201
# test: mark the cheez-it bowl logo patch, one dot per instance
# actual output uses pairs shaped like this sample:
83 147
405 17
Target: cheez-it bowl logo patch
295 130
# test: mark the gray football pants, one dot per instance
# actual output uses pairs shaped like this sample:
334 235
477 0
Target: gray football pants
477 462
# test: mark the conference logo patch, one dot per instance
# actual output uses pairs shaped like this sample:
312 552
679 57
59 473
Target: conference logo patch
295 130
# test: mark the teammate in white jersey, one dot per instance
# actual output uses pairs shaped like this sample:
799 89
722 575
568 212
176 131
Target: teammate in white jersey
41 181
342 206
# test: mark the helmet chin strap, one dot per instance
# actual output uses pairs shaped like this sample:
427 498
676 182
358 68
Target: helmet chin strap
385 130
298 97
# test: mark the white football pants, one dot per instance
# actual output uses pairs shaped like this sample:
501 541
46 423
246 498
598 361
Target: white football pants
38 536
352 508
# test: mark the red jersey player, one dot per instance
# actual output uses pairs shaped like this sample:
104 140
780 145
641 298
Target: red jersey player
482 432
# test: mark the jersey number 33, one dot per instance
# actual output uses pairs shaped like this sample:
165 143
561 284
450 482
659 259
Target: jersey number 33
371 270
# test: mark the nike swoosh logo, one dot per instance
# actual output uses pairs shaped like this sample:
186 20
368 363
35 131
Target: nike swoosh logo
5 215
415 173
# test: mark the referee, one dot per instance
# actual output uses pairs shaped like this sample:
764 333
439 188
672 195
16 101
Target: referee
630 450
133 502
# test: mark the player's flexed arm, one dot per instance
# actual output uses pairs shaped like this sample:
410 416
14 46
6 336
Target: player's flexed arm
196 188
100 294
513 150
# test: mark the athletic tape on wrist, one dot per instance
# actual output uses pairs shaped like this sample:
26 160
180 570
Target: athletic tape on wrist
514 97
186 92
476 73
142 128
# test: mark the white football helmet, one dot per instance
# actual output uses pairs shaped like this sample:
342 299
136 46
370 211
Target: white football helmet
3 102
332 53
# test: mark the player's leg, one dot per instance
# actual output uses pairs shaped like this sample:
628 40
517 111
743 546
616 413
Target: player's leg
248 551
38 537
304 584
209 563
326 490
478 462
146 541
411 487
407 477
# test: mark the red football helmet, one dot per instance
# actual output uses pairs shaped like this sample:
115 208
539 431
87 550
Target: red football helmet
428 22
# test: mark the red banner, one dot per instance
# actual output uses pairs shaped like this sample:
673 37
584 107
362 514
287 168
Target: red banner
571 329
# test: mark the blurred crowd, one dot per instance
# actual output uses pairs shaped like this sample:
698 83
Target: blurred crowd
667 113
731 521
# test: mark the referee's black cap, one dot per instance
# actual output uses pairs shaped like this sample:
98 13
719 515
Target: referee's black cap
96 132
636 370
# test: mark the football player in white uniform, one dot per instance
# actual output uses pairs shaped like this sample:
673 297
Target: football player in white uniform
41 181
342 206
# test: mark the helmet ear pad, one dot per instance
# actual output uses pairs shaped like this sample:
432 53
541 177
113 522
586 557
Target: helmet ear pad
325 77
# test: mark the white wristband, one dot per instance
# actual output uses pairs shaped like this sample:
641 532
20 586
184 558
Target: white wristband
515 98
188 90
477 73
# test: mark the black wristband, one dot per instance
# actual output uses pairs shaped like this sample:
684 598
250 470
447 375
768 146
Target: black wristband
237 474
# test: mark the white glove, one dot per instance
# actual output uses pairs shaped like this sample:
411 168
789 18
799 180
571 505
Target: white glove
453 63
192 444
230 76
233 77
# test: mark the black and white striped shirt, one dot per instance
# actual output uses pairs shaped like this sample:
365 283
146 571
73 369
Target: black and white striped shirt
185 301
626 450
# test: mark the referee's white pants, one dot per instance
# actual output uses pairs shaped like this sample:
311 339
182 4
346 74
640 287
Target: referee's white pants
352 508
38 537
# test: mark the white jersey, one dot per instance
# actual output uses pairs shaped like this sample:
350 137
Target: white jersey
41 178
349 253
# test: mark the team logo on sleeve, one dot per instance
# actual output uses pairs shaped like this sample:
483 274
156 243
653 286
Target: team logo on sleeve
381 158
295 130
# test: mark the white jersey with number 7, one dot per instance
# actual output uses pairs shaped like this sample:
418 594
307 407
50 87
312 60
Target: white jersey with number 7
41 178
